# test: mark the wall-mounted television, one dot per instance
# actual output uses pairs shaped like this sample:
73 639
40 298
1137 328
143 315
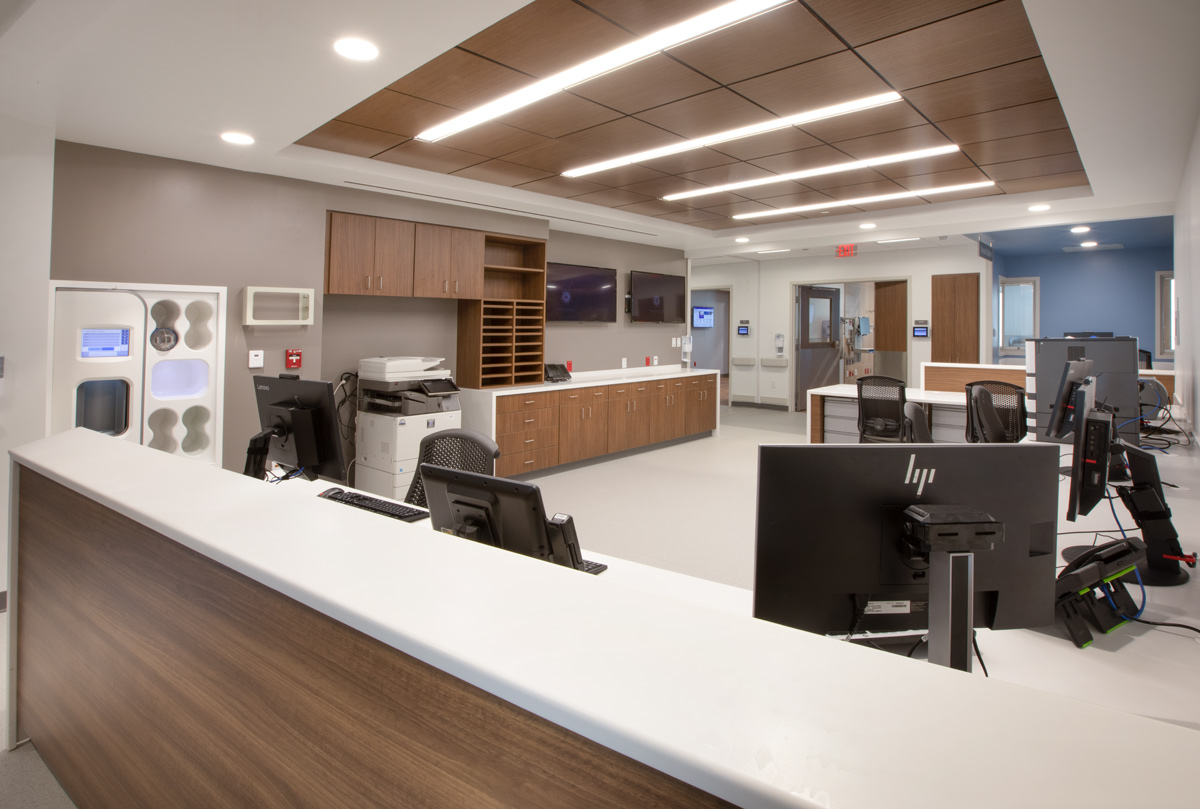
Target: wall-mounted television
580 294
702 317
656 298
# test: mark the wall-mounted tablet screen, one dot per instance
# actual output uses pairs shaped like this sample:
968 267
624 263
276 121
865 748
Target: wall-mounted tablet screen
702 317
97 343
580 294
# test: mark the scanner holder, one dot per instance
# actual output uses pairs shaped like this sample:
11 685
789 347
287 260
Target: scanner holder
1102 568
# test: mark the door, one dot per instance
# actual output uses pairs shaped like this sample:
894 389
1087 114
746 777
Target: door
818 329
954 332
891 329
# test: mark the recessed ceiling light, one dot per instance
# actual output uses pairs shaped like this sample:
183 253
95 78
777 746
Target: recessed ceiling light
357 49
1087 244
241 139
1039 208
764 252
867 226
894 241
720 17
741 240
1080 229
734 134
833 169
925 192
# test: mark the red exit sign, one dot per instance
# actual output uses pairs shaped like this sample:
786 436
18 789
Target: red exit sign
846 250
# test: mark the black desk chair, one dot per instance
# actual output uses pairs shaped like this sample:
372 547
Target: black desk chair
1003 400
1145 360
467 450
880 410
916 424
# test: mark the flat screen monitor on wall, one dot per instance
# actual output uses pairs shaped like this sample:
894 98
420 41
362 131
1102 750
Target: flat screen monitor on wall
580 294
656 298
702 317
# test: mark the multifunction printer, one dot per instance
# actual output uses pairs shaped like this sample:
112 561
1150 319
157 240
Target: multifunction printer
400 401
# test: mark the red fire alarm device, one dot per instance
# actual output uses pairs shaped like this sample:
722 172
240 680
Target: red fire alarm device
846 250
291 358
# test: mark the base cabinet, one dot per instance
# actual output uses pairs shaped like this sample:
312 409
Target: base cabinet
582 425
629 407
700 406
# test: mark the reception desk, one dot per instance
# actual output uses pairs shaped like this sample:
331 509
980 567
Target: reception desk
833 414
188 637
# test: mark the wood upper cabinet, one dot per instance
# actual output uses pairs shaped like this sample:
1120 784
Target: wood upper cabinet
448 262
369 256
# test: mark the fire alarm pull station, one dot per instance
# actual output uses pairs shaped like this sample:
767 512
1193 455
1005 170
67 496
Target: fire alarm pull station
291 358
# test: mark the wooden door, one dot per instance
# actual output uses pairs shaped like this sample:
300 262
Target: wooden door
891 316
432 261
954 330
351 261
394 244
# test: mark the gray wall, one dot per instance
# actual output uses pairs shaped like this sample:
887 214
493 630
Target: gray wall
125 217
597 346
710 347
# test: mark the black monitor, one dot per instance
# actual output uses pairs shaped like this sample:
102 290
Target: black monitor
1087 335
830 556
300 429
1062 413
504 513
1090 456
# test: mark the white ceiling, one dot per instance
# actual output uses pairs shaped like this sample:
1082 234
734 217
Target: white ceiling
166 77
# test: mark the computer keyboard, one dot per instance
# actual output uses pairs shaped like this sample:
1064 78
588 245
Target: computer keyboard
593 567
373 504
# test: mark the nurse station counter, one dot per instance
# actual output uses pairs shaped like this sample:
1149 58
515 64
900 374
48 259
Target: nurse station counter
188 637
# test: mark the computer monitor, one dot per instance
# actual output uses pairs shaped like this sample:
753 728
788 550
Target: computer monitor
830 556
1090 455
1062 413
300 429
504 513
1087 335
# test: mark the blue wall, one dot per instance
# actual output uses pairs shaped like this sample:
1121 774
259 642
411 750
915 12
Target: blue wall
1111 290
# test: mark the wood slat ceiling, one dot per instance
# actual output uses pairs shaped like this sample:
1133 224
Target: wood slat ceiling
969 71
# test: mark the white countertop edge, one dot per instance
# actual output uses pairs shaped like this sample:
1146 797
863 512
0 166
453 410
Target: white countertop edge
589 379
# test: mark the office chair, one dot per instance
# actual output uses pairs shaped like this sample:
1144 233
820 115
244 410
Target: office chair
1145 360
916 425
1007 402
467 450
880 410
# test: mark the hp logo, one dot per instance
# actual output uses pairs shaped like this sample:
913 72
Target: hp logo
918 476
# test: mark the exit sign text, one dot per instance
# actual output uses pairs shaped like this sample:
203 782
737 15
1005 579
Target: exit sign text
846 250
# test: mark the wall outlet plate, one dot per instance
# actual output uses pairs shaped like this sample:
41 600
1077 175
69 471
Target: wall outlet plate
256 359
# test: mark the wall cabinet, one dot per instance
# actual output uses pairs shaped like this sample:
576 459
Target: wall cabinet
369 256
448 262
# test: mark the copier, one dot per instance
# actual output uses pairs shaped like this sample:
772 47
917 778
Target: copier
400 401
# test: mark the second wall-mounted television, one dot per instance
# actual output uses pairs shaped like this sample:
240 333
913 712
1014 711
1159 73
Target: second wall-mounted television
656 298
580 294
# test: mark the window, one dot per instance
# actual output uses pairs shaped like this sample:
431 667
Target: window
1166 321
1018 319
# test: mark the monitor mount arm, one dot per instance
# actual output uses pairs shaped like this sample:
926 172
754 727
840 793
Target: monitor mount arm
256 452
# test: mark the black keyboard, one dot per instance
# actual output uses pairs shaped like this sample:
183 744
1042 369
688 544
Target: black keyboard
376 506
593 567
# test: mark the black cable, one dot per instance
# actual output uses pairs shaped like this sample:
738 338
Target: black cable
1166 623
917 645
975 643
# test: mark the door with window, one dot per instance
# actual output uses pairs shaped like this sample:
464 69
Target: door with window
1017 319
818 330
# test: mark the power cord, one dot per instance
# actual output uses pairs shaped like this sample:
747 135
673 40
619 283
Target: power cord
978 654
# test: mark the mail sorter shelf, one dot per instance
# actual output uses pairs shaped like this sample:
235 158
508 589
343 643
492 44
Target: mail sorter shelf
500 342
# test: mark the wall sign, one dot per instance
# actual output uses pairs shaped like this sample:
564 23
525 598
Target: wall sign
846 250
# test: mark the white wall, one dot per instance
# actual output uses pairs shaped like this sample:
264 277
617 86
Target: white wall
763 294
1187 290
26 193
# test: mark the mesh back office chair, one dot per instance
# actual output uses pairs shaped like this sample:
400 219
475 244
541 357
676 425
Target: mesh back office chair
1007 401
467 450
1145 360
880 410
916 425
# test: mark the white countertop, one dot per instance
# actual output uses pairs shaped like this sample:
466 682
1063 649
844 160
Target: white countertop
758 714
958 398
583 379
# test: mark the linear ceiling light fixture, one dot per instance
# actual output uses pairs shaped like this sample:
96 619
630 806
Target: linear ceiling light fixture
716 19
842 203
817 172
896 241
734 134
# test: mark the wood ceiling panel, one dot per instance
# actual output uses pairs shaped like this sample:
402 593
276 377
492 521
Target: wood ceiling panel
502 173
746 206
861 21
784 36
339 136
397 113
1047 182
711 200
644 18
706 114
612 197
1039 144
820 83
802 160
555 156
690 217
493 139
558 186
1034 167
842 178
989 191
429 156
558 115
900 140
684 162
789 139
773 190
663 186
916 181
546 37
987 37
724 224
858 190
910 202
622 136
649 83
1025 119
626 175
929 165
797 198
730 173
1001 87
865 122
461 80
654 207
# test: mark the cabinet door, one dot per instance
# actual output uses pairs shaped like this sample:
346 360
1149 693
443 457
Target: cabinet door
394 258
351 267
466 264
571 433
432 261
700 412
629 423
666 419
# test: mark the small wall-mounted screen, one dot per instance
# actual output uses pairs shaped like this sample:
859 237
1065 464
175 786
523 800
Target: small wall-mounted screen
743 330
920 331
97 343
702 317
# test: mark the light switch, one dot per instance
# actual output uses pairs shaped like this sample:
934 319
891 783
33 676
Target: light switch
256 359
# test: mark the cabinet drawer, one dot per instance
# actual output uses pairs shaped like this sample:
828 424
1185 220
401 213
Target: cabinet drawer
509 465
582 396
526 421
529 401
512 443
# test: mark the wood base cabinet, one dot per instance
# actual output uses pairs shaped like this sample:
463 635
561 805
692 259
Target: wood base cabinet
666 413
527 432
700 407
582 423
629 407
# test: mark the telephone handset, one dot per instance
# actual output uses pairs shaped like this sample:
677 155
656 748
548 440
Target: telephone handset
557 372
